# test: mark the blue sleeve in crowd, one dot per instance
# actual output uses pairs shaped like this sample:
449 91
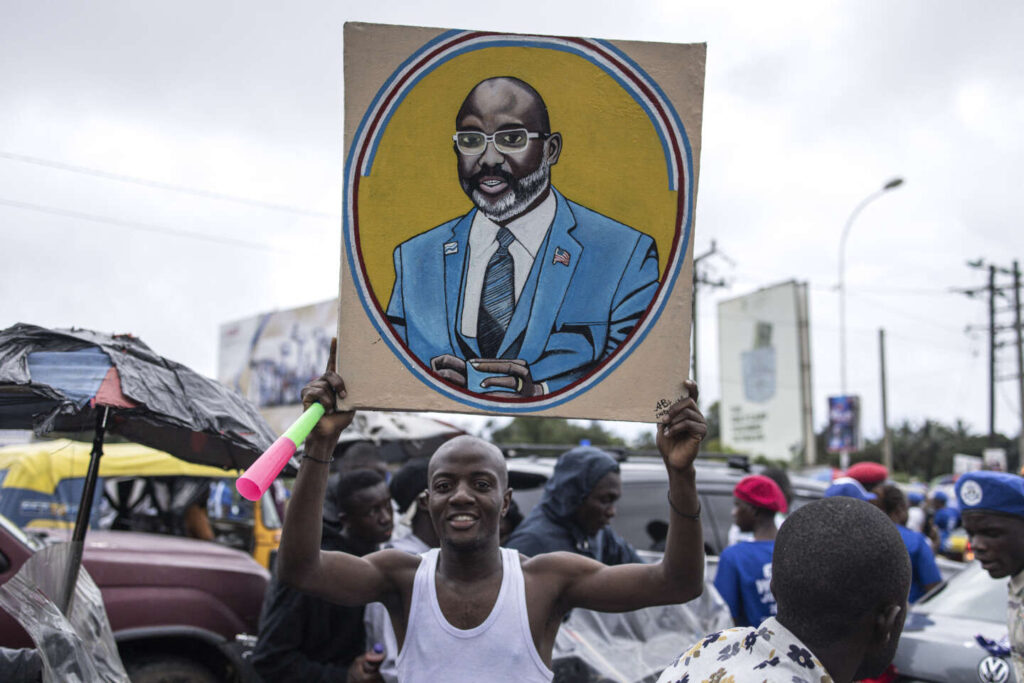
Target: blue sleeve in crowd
727 583
928 571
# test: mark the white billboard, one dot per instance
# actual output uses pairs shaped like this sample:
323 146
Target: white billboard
765 373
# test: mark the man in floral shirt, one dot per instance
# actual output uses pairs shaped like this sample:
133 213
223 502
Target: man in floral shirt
842 599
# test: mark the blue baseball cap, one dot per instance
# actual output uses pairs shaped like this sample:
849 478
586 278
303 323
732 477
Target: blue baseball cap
851 488
992 492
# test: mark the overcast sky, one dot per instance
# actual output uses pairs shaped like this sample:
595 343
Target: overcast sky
166 167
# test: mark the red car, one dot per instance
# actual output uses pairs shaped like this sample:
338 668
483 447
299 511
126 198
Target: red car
176 605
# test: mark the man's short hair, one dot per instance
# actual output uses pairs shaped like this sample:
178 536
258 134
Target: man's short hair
835 560
409 482
891 498
350 483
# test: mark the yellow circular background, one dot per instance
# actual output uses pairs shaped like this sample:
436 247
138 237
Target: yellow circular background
612 160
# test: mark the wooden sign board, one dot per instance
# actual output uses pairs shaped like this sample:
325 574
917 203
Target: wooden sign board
518 222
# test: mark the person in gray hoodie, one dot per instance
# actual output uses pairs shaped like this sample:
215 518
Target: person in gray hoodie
575 511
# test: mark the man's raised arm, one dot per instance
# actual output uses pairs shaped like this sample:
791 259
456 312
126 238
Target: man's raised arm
336 576
679 577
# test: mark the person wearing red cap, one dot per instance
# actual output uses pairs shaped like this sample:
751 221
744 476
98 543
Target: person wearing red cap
870 474
745 569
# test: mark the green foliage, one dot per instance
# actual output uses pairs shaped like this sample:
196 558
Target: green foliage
542 430
768 462
714 420
926 450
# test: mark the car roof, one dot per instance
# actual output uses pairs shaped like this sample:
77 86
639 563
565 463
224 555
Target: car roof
534 470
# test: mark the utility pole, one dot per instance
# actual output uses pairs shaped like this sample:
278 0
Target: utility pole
993 290
1020 359
886 438
701 278
991 355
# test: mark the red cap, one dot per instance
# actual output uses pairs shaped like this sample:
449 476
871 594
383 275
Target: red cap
868 473
761 491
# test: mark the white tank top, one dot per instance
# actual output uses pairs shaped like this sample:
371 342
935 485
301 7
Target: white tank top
499 649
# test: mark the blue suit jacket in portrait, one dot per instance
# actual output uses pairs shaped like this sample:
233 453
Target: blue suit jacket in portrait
569 316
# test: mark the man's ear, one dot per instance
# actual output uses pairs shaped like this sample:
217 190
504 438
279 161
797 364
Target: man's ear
889 623
553 148
506 501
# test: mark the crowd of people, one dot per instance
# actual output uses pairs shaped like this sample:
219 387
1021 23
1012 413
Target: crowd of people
453 595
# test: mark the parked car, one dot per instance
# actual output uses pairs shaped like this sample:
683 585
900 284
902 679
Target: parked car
643 506
938 641
175 605
139 489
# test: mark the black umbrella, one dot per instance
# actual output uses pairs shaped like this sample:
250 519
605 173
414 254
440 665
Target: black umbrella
75 380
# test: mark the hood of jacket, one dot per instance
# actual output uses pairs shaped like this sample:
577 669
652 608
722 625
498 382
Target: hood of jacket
576 474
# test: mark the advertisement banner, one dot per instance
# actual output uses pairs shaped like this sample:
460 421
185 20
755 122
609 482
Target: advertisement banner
268 358
843 424
765 373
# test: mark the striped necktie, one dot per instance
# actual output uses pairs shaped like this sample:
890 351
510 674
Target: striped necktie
497 298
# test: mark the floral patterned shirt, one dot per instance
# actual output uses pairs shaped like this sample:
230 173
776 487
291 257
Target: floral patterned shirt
768 653
1015 623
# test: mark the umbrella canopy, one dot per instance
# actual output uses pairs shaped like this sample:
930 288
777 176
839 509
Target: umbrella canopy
58 380
74 380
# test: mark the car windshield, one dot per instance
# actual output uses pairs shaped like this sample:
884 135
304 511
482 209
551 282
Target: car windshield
970 594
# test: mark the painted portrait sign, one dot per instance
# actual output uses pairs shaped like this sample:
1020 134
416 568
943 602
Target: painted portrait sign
518 221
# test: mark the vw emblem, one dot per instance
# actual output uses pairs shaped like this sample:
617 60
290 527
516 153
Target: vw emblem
993 670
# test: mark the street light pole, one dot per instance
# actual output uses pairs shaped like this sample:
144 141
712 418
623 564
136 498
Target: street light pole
892 184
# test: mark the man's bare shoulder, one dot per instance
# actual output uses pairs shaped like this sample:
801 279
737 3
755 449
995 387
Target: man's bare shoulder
561 563
393 560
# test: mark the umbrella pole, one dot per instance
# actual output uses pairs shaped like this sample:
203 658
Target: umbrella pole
84 511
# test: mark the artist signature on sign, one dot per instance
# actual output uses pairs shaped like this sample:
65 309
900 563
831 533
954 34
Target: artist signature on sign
662 406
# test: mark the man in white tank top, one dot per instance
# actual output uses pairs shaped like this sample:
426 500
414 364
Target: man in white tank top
470 610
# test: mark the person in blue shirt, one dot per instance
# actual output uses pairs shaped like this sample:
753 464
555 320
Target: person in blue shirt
924 572
946 519
745 570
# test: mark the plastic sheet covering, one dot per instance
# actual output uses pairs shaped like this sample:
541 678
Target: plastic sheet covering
50 378
79 649
633 646
18 666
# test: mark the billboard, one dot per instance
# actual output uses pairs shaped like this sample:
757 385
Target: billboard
765 373
269 357
843 424
518 221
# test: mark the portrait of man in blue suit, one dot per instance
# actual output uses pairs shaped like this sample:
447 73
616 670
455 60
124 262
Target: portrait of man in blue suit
528 292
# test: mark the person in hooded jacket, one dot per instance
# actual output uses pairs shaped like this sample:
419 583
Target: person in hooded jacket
575 511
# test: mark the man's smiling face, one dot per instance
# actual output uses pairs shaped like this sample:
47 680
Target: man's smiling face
468 493
505 185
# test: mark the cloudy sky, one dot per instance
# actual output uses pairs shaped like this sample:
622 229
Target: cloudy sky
167 167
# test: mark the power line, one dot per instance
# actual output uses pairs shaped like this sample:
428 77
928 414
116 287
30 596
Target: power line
922 291
162 186
141 226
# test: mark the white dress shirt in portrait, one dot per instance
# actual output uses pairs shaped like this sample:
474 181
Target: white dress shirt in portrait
529 231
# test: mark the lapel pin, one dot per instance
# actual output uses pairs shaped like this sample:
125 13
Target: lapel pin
561 256
451 248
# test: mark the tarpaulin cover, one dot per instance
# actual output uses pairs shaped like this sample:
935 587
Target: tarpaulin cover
637 645
79 648
54 380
